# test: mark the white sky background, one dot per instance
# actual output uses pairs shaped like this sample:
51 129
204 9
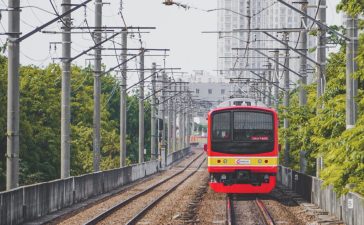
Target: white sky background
177 29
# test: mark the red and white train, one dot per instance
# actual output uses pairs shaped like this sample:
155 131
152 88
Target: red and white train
242 147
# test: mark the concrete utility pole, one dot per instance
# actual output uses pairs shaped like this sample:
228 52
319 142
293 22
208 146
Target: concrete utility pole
174 126
303 162
123 99
303 60
189 127
141 108
180 116
270 85
265 99
12 152
66 91
163 115
159 124
276 80
169 121
286 103
153 125
97 87
321 50
351 67
185 119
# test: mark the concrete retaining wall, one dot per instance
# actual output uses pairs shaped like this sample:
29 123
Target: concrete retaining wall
175 156
348 208
27 203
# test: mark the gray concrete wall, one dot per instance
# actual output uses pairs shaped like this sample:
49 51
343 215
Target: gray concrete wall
175 156
27 203
348 208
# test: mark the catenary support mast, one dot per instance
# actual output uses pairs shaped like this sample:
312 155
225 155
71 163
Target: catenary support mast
351 67
123 99
97 87
141 108
153 125
66 91
12 154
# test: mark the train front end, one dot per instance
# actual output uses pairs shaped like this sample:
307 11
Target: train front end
242 149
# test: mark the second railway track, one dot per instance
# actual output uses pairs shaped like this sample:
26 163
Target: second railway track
126 213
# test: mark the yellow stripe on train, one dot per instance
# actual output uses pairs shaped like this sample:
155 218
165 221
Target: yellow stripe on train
242 161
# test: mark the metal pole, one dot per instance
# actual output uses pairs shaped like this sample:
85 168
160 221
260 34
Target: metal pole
174 126
265 99
185 120
303 72
163 115
169 121
180 128
351 67
159 124
276 81
123 101
97 88
12 153
66 91
270 85
189 127
286 104
141 108
321 50
303 162
153 125
185 124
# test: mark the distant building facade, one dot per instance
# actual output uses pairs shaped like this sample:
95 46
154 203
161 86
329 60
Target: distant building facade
264 14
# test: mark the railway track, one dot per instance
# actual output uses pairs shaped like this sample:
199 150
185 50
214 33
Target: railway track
132 220
247 210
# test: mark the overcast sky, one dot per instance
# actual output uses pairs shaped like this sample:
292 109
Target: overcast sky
177 29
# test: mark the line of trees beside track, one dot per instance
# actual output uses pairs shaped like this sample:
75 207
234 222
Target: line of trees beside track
40 130
321 132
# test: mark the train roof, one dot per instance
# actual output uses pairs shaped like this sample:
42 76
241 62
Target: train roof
242 103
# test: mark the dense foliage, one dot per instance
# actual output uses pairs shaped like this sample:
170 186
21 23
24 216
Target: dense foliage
321 131
40 122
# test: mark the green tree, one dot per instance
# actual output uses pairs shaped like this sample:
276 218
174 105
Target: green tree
40 97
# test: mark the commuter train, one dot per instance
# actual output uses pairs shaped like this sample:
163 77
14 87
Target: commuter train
242 147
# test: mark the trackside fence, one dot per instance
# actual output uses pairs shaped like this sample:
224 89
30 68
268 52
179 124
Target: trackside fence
30 202
349 208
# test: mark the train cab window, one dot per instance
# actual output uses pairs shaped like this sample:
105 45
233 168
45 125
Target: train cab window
221 126
253 126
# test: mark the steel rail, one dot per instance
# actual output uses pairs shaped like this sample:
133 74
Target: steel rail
264 211
229 210
230 218
140 214
108 212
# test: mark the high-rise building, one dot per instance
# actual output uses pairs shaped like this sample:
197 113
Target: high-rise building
230 16
264 14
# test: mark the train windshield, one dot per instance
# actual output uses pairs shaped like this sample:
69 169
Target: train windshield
246 132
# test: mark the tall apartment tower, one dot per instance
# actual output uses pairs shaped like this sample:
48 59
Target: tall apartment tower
229 19
279 16
264 14
233 14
